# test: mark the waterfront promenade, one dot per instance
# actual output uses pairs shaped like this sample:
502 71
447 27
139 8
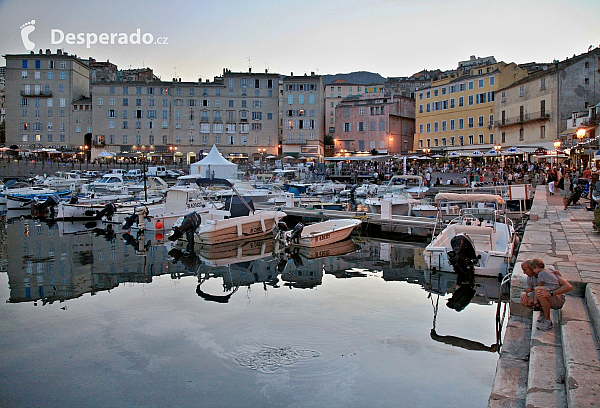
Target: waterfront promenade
560 367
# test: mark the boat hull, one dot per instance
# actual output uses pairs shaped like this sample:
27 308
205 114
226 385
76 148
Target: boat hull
238 228
325 233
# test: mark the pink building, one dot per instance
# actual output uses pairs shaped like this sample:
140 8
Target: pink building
375 121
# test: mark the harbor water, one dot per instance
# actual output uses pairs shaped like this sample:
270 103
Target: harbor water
93 316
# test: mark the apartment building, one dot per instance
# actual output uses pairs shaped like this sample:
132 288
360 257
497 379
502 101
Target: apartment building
237 112
375 121
39 91
534 111
303 116
336 92
457 111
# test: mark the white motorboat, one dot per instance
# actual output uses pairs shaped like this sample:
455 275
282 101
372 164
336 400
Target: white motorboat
162 216
479 240
401 201
237 221
412 184
425 208
321 234
30 196
63 179
327 187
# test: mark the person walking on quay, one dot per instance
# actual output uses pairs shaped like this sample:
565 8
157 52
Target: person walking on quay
552 180
565 187
545 290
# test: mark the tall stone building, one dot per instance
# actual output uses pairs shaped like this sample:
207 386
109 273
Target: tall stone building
534 111
456 113
238 112
39 91
303 113
375 121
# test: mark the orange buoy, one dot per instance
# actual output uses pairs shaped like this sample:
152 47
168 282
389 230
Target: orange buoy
159 236
159 225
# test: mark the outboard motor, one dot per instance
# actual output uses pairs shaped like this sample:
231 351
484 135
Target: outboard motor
188 226
46 206
74 200
108 211
140 214
353 190
461 297
294 236
463 256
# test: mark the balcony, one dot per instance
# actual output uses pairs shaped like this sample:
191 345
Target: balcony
294 141
37 95
527 117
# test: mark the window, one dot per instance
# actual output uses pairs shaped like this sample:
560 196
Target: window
361 126
470 84
492 80
542 132
125 124
443 125
451 103
420 108
347 127
471 139
436 127
491 138
470 99
217 128
461 123
480 121
542 83
381 125
444 91
521 90
586 81
428 127
480 139
100 102
451 124
471 122
461 101
481 83
420 128
521 134
63 75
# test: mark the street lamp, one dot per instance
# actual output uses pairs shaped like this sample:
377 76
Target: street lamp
262 151
497 148
426 151
580 135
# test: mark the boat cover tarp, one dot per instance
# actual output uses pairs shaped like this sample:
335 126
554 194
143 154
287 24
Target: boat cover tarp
470 198
236 207
213 181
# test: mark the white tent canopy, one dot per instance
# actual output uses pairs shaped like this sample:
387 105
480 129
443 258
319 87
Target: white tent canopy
214 164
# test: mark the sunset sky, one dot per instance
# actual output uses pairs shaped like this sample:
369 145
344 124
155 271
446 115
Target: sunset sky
390 37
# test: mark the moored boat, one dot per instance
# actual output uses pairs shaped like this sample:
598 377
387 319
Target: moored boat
322 233
480 241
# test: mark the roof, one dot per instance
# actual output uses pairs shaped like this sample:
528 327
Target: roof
214 158
471 198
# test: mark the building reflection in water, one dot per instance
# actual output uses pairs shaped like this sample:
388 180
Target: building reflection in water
64 260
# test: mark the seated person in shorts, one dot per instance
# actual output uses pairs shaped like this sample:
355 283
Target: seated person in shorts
545 290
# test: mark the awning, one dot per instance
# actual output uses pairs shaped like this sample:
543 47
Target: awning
359 158
570 131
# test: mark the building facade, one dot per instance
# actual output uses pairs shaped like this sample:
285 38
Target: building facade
533 112
39 91
457 111
303 127
238 112
374 122
335 92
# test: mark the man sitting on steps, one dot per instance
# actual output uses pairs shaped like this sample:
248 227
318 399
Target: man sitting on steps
545 290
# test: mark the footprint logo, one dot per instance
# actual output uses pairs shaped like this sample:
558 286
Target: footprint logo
27 29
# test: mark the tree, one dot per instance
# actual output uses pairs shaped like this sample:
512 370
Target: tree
328 140
374 152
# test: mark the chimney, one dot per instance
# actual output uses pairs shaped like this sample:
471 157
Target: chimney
249 70
179 79
266 70
59 52
312 73
48 52
291 74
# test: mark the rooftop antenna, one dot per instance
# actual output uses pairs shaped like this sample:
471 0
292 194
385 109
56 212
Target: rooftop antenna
249 64
175 75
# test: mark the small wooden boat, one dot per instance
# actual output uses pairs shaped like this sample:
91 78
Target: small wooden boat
322 233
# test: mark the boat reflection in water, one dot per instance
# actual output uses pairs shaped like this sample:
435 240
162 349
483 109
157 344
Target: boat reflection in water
48 262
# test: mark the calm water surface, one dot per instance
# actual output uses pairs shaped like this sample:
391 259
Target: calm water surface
94 318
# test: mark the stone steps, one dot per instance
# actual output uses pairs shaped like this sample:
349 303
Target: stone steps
556 368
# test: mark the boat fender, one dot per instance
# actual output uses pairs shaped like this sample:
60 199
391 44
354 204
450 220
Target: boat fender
294 237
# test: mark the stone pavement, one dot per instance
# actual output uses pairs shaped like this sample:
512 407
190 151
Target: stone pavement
560 367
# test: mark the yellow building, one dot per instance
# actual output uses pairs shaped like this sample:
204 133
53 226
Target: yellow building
456 113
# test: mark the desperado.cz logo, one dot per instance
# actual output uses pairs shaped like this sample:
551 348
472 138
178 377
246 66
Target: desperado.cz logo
58 36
